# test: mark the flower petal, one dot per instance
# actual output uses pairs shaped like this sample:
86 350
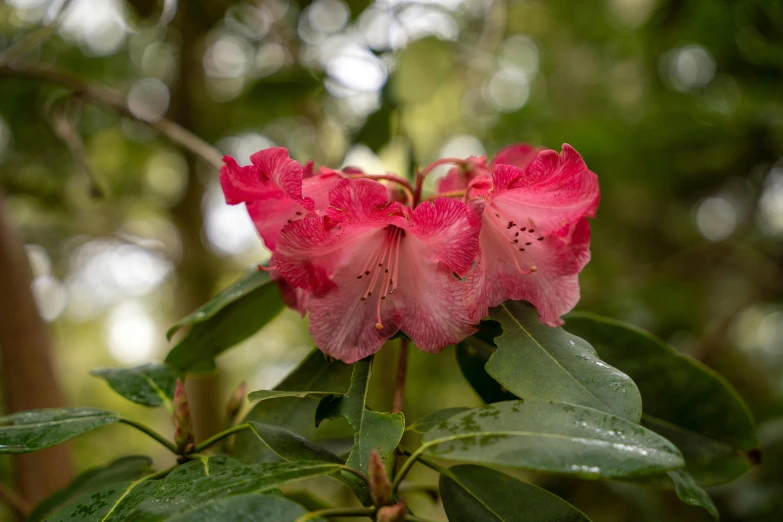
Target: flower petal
277 166
499 275
430 302
240 183
450 230
554 192
460 176
271 213
361 201
520 155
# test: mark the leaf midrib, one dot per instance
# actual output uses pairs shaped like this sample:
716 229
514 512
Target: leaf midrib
503 305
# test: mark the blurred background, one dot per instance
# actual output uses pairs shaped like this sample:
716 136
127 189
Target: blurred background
676 105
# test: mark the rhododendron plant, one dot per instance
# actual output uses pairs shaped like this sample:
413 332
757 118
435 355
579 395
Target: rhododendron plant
369 257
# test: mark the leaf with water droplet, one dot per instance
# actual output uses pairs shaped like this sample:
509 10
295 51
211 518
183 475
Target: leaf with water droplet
188 489
34 430
429 421
686 402
149 385
553 437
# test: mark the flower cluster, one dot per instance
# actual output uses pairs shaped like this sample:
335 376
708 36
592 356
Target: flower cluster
367 259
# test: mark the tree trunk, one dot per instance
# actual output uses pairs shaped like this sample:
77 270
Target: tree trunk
28 377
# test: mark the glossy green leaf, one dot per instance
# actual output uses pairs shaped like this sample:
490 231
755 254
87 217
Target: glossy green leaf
187 490
246 508
250 281
294 414
553 437
229 318
38 429
477 494
373 430
429 421
120 471
291 446
689 491
262 395
472 356
535 361
148 385
684 401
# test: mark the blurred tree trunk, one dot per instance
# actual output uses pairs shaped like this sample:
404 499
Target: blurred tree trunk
198 269
28 377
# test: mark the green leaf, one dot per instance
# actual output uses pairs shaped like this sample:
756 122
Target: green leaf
535 361
246 508
38 429
553 437
429 421
121 470
148 385
373 430
229 318
684 401
472 356
296 415
187 490
689 491
477 494
291 446
262 395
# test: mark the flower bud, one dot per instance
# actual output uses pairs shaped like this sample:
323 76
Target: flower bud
380 487
236 401
183 422
395 513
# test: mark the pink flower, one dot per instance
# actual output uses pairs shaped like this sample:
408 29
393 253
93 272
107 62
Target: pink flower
460 177
535 237
373 267
276 190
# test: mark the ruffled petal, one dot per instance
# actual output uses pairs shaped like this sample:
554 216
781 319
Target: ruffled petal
450 230
554 192
430 302
280 169
240 184
361 201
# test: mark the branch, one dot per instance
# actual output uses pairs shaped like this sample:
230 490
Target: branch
67 132
113 100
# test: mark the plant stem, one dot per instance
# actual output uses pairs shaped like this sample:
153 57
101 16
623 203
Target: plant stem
338 512
402 371
152 433
219 436
358 473
406 467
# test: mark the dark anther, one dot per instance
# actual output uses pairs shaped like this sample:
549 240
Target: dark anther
528 243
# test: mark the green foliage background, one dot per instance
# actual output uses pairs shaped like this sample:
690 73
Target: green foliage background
676 105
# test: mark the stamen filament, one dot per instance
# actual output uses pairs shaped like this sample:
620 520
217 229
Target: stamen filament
385 284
